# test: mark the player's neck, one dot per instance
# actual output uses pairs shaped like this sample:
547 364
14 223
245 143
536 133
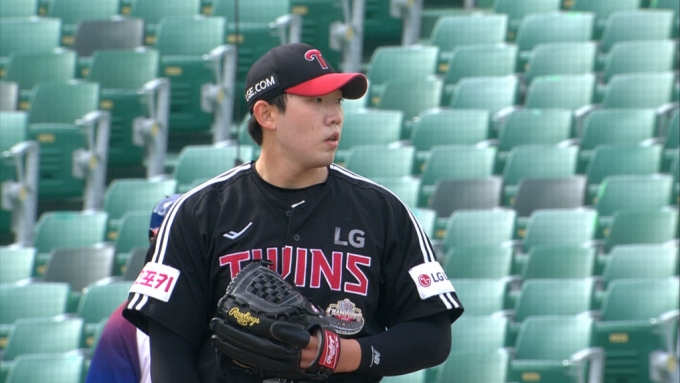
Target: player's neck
286 175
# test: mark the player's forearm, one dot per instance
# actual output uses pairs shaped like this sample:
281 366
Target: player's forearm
406 347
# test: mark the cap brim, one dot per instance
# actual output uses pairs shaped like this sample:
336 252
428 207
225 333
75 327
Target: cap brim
353 85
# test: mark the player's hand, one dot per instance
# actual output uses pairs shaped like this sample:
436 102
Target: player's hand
309 353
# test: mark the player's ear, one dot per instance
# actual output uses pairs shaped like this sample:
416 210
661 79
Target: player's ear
262 112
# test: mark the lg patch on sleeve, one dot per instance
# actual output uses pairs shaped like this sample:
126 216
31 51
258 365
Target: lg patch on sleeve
430 280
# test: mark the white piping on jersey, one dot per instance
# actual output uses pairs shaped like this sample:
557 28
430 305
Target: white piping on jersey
425 246
297 204
162 237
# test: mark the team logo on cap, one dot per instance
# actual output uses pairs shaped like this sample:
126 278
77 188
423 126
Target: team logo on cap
345 317
314 54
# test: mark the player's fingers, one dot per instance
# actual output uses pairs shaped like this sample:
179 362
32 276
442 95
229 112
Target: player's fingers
290 333
308 354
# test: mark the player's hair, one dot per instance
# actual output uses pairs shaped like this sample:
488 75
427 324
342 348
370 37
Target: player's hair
254 127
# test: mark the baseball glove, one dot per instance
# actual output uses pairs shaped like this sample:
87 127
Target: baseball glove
263 323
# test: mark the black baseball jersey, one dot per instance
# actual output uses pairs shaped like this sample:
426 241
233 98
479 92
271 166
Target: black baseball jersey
350 246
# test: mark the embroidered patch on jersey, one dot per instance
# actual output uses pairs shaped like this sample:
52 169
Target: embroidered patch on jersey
430 280
156 281
345 318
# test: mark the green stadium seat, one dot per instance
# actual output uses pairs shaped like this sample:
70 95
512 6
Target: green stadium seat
614 126
620 159
121 75
553 27
43 335
639 56
66 229
198 163
18 8
80 267
643 24
98 35
27 35
132 232
127 195
454 162
565 227
478 334
401 63
556 349
518 9
422 94
638 90
641 226
368 127
451 32
630 192
373 161
406 188
33 300
183 43
153 12
478 61
482 296
603 9
536 161
563 91
443 126
639 262
30 69
635 323
488 367
539 297
98 302
71 12
558 262
56 368
531 127
16 263
672 5
492 227
565 58
54 109
13 130
477 262
450 195
489 93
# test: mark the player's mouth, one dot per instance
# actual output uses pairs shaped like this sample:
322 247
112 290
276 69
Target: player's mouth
333 139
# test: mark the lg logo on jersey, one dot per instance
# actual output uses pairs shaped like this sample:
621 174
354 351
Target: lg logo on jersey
426 280
355 238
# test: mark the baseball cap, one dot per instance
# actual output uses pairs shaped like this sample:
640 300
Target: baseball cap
299 69
159 212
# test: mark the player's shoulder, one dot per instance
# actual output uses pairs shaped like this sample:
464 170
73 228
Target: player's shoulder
348 179
227 182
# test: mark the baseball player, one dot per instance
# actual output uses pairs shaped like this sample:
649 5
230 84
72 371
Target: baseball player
122 353
349 245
